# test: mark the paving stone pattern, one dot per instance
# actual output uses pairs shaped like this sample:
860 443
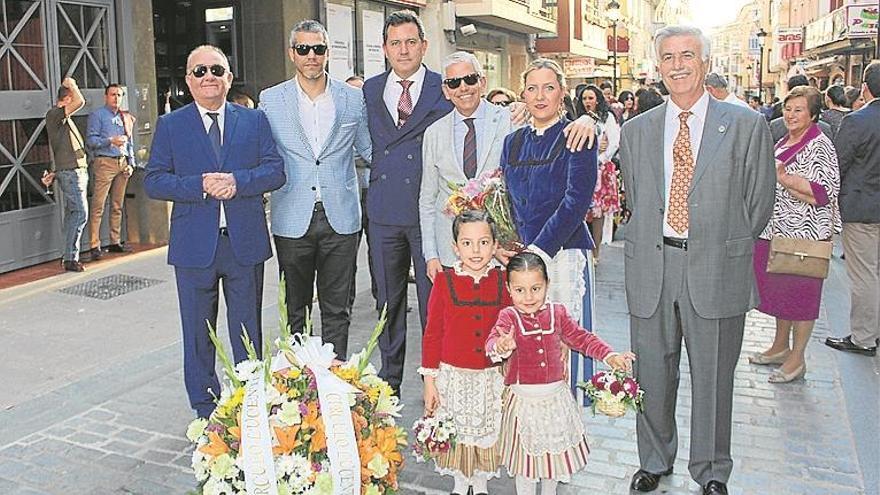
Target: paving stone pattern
787 439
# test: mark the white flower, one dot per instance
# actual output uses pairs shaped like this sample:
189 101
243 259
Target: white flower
246 370
289 413
222 466
199 465
423 435
273 396
196 429
388 404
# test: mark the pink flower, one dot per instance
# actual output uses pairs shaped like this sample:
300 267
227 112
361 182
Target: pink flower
598 382
630 386
615 387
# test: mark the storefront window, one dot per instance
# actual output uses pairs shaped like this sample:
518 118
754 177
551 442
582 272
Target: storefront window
355 28
491 62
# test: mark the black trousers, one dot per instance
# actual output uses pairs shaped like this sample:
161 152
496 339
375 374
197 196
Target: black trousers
323 253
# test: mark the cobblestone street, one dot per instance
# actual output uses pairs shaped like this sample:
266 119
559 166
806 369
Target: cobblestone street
94 402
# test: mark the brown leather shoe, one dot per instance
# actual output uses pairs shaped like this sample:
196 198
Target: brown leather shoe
73 266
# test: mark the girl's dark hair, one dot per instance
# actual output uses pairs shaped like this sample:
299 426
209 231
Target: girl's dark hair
472 216
625 95
602 107
525 262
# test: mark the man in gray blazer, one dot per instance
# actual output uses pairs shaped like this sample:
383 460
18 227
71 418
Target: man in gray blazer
318 123
700 179
459 146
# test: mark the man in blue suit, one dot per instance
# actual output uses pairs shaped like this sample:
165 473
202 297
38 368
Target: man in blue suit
401 103
214 160
316 217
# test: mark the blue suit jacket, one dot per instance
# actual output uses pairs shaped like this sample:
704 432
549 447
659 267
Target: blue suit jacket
331 167
396 170
182 152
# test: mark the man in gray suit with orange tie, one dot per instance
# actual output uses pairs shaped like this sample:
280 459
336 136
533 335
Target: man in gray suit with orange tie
700 179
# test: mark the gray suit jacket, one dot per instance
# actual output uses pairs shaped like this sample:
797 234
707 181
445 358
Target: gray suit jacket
441 166
730 201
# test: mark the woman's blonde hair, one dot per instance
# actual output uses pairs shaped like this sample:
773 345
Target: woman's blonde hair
546 63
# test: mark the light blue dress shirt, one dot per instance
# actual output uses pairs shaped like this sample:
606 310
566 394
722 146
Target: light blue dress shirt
103 124
460 130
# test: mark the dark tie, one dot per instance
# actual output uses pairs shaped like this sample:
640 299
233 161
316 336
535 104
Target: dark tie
404 104
214 133
469 156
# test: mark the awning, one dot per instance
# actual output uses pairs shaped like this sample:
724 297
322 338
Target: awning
816 64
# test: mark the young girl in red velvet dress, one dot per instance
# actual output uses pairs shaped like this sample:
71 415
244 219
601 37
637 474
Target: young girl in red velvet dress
460 380
542 434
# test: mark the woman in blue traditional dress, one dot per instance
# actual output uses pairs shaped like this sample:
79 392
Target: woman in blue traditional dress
551 188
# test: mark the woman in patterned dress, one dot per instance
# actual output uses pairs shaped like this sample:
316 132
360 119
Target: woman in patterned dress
606 197
807 185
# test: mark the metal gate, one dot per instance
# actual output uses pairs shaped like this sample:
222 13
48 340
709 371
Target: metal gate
42 42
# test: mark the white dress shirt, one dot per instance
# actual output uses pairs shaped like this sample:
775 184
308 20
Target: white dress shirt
612 130
393 90
460 130
207 121
695 123
732 98
317 117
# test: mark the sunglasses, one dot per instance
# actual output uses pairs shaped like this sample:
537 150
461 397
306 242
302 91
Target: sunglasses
455 82
303 50
502 103
199 71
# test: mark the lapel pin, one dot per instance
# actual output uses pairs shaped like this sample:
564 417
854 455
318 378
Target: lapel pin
721 128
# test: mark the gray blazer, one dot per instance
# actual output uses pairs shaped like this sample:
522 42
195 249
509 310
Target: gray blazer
730 201
441 166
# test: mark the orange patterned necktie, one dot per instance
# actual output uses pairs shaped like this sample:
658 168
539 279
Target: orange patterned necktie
682 173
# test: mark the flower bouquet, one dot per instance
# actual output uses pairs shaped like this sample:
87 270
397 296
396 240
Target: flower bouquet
486 192
613 392
434 435
300 423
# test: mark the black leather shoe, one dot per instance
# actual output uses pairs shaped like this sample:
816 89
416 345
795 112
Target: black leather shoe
73 266
93 254
118 248
846 344
715 488
643 481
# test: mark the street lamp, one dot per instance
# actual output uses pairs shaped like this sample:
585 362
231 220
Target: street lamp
612 12
761 34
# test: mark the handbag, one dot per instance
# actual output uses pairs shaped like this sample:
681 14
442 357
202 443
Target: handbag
803 257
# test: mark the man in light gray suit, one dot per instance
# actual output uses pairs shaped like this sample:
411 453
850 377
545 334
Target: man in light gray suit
700 179
459 146
318 123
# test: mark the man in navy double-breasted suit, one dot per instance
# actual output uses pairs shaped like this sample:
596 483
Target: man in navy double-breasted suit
214 160
401 104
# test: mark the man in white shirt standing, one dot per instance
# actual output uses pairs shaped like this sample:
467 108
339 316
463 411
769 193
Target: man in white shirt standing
318 123
716 85
701 185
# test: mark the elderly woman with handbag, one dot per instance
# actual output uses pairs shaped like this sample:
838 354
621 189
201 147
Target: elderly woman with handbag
791 256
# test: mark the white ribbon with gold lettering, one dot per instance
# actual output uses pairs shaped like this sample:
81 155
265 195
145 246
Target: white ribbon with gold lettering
256 441
333 393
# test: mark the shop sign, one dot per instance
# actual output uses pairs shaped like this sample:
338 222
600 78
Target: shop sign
789 35
861 21
578 67
819 32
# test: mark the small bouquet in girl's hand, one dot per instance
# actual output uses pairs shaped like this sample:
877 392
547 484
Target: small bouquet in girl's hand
613 392
434 435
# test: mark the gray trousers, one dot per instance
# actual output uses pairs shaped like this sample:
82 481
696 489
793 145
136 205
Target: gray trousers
861 243
713 347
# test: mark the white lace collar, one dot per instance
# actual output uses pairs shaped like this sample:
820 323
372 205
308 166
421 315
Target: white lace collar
459 270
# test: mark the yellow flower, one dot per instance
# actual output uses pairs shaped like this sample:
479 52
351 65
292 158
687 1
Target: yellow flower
378 466
293 372
224 409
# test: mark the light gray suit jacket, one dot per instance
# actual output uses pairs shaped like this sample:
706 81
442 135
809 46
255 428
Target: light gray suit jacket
730 201
441 166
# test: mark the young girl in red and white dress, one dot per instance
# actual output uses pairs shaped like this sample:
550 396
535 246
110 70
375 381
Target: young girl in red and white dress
460 380
542 433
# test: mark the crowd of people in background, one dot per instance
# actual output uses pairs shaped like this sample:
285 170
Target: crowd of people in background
337 157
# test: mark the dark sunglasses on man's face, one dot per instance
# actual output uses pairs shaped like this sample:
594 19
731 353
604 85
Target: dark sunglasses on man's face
303 50
455 82
502 103
199 71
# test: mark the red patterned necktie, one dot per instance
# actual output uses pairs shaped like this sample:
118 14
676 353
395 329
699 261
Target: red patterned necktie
404 104
682 173
469 156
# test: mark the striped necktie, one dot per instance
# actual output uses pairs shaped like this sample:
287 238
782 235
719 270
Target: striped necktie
469 156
